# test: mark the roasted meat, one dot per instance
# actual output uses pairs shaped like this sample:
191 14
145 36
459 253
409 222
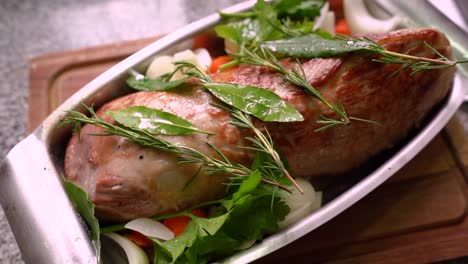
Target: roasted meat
127 181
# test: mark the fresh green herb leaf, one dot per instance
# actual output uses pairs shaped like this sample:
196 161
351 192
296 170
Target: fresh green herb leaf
298 9
174 248
232 31
85 208
269 22
158 84
259 102
255 217
248 185
315 46
250 214
154 120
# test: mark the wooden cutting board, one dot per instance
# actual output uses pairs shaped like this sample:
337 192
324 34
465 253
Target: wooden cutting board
418 216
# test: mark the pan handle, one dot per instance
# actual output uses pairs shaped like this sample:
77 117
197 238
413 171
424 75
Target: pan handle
43 220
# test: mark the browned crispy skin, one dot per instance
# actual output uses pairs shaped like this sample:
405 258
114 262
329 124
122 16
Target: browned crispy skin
126 181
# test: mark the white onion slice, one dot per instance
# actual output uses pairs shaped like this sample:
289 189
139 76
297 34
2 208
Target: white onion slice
246 244
165 64
301 205
203 58
328 24
150 228
360 21
159 66
135 255
318 22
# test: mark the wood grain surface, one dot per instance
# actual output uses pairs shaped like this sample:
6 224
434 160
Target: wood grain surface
418 216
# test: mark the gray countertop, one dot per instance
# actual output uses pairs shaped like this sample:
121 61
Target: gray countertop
30 28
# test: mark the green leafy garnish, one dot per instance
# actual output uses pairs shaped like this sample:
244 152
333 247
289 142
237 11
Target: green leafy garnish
154 121
85 208
161 83
261 103
315 46
267 21
249 214
298 9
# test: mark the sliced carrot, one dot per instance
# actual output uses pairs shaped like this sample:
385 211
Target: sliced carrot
342 27
179 223
139 239
218 62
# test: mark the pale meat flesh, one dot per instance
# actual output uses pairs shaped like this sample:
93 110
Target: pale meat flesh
127 181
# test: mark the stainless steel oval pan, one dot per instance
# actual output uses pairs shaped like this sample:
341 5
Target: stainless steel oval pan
46 226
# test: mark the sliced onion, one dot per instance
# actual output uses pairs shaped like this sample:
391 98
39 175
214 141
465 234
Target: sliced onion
165 64
301 204
159 66
150 228
317 201
328 24
318 22
360 21
203 58
246 244
135 255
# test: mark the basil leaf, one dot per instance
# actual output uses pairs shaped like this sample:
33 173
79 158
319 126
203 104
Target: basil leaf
315 46
154 121
158 84
85 208
259 102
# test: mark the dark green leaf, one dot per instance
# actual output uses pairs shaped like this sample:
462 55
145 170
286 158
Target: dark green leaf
248 185
176 246
232 31
298 9
255 217
259 102
210 225
153 120
255 212
85 208
158 84
315 46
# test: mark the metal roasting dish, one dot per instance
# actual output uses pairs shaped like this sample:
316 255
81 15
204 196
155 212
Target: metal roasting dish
48 229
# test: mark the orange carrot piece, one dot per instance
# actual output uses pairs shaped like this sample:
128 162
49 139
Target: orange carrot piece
342 27
179 223
139 239
218 62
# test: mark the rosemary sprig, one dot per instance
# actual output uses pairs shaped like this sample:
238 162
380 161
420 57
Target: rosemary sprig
212 165
262 142
415 63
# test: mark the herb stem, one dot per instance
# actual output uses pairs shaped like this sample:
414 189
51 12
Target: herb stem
417 58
